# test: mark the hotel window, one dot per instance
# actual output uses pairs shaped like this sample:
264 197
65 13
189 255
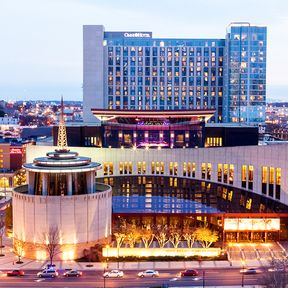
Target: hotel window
153 167
173 168
208 171
244 176
203 170
271 181
121 167
189 169
230 195
161 168
224 193
250 177
231 174
264 180
219 172
278 183
249 203
108 168
225 173
193 170
142 167
184 169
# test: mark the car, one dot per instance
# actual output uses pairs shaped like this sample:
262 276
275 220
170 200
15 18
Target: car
248 271
15 273
148 273
72 273
47 273
189 272
113 274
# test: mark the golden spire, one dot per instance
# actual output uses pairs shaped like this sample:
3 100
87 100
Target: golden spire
62 136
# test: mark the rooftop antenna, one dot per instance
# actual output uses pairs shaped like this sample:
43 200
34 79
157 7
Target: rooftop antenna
62 135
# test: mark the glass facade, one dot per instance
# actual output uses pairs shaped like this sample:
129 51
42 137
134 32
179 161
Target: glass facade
145 73
245 74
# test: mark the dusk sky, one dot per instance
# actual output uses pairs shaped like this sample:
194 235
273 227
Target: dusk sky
41 40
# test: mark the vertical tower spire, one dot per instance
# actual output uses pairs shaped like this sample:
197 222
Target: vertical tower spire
62 136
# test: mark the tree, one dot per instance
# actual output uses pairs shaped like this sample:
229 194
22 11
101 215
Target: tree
205 236
277 277
120 237
147 237
175 237
161 235
132 235
8 218
51 243
19 177
19 248
189 235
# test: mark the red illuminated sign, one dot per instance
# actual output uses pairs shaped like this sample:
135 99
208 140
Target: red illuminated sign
15 151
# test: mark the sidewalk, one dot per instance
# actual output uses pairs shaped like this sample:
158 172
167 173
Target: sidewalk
8 262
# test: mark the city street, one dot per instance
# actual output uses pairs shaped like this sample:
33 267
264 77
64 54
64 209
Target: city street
215 277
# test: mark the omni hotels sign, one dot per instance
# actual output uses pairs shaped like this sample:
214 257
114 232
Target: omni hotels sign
137 34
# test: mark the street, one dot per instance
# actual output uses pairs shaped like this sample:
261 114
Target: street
215 277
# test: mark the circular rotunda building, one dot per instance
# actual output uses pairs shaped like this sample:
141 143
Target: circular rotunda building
61 196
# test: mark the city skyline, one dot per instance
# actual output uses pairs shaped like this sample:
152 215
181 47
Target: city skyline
48 62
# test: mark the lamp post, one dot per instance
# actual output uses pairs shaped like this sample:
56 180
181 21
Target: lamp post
118 257
104 277
243 266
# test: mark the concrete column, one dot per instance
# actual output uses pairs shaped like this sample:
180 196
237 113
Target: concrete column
90 182
44 184
69 184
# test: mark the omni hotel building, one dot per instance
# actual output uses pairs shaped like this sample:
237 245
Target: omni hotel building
134 71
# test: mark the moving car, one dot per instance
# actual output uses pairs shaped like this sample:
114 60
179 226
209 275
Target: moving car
189 272
113 274
148 273
248 271
47 273
72 273
15 273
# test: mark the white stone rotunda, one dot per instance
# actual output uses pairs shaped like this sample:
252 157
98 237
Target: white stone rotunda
61 194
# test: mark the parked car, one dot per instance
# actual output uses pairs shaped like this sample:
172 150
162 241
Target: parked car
249 271
72 273
113 274
189 272
15 273
148 273
47 273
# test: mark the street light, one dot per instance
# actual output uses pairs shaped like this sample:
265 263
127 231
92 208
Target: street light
243 265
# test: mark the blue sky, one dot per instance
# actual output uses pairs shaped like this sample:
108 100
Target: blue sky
41 40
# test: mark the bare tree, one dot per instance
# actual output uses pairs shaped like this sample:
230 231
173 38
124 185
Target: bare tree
277 276
132 235
19 248
206 236
189 235
161 235
51 242
120 237
147 237
175 237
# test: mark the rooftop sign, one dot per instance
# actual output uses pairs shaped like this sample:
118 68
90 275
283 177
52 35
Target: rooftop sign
137 35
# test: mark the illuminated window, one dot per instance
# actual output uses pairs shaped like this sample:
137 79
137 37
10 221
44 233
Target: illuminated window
219 172
193 170
244 176
264 180
209 171
184 169
225 173
250 177
173 168
153 168
139 167
121 167
231 174
224 193
203 170
249 203
162 168
271 181
189 169
230 195
278 183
